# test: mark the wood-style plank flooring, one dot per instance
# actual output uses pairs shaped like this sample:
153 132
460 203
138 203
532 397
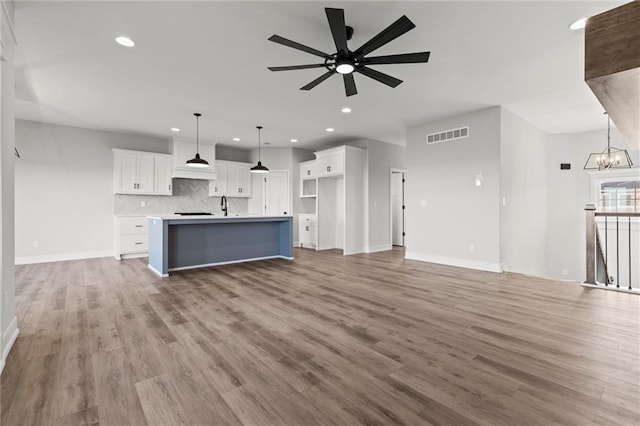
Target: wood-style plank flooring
324 339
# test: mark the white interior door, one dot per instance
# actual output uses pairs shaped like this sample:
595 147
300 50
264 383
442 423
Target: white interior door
277 193
397 211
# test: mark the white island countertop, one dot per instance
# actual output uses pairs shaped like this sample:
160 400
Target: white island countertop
214 216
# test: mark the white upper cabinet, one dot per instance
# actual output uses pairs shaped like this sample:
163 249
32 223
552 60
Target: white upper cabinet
218 187
162 175
308 170
184 150
137 172
330 162
234 180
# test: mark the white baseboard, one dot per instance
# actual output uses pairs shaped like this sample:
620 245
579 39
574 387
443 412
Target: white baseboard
26 260
9 337
379 247
454 261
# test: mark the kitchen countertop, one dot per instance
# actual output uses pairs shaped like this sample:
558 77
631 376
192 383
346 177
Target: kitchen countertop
214 217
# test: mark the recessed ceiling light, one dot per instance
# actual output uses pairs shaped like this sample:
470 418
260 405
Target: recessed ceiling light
294 140
346 110
329 129
175 129
579 24
236 139
125 41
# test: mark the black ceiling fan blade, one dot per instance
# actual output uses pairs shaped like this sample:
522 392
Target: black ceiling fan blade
349 84
379 76
393 31
296 67
403 58
338 29
318 80
290 43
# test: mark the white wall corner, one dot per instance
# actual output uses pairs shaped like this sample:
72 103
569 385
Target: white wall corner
8 337
480 265
378 248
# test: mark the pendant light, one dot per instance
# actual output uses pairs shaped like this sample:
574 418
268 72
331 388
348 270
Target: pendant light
259 168
610 158
197 161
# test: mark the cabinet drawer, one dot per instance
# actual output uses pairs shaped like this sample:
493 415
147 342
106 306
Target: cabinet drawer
134 243
133 225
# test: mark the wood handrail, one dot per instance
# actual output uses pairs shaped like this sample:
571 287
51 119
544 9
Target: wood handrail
618 214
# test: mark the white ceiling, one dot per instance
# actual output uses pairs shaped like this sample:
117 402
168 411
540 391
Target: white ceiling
212 57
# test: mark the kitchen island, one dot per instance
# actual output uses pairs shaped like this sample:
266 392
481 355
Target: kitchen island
185 242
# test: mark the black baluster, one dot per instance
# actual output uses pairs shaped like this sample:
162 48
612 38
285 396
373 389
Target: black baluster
617 252
629 252
606 252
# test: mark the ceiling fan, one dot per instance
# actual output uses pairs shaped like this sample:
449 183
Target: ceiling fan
346 61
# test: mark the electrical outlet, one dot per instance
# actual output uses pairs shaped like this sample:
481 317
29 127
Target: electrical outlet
143 203
565 272
35 243
472 247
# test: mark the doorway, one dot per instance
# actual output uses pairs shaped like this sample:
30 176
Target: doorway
276 193
397 204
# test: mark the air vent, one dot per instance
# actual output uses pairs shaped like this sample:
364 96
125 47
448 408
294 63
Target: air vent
448 135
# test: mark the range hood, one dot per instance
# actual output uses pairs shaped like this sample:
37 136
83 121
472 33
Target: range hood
185 149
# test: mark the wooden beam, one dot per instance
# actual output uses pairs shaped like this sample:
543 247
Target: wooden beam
612 66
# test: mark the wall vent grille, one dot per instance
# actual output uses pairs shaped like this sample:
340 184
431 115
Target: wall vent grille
448 135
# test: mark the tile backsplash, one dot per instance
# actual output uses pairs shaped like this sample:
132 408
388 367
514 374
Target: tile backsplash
189 195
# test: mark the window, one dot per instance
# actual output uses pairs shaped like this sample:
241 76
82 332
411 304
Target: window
620 196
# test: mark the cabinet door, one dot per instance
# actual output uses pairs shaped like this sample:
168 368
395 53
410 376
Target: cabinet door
218 187
244 180
308 170
146 174
125 173
332 164
162 176
233 180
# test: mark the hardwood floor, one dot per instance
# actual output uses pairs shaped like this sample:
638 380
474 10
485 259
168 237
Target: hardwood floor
324 339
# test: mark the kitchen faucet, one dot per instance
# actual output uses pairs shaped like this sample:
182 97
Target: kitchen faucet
223 204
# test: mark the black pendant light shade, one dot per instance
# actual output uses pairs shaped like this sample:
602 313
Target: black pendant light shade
610 158
197 161
259 168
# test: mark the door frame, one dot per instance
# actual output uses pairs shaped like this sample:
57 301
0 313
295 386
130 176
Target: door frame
393 170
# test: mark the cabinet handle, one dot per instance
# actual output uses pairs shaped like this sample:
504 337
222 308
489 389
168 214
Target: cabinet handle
328 168
308 172
138 243
306 228
169 187
138 226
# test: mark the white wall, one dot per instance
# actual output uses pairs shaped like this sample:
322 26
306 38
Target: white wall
568 193
8 321
450 220
381 158
64 189
523 183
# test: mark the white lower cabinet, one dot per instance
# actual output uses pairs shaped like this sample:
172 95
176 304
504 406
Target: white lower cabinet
308 231
131 236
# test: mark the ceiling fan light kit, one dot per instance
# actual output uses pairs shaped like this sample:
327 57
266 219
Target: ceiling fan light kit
347 62
197 161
